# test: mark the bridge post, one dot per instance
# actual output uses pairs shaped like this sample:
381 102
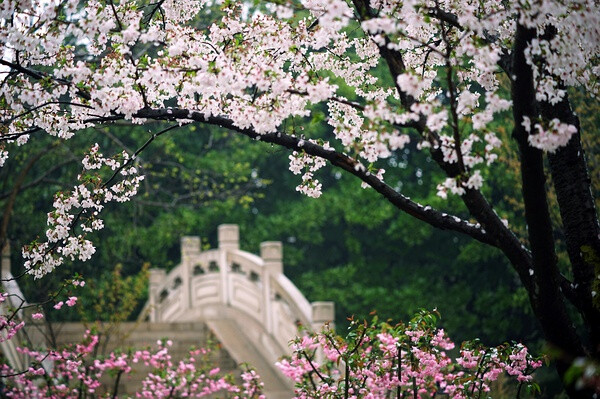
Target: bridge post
229 240
229 236
6 260
323 313
190 250
155 280
271 253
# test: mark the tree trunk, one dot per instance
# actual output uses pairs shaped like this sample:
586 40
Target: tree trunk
546 298
572 184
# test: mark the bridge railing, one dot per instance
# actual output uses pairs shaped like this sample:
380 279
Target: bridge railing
231 278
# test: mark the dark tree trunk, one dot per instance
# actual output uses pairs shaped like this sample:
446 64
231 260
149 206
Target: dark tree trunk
546 298
572 184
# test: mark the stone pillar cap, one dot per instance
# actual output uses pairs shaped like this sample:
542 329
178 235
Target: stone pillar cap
229 236
323 311
191 241
271 250
190 247
156 276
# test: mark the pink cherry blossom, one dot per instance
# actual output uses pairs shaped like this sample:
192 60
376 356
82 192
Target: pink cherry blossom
72 301
37 316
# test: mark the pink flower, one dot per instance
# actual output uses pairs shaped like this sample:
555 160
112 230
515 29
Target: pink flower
72 301
59 305
39 371
37 316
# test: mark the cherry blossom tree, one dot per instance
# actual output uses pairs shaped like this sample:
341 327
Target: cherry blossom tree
449 66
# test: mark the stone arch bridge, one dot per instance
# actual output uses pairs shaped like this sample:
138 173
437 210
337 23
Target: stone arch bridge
252 308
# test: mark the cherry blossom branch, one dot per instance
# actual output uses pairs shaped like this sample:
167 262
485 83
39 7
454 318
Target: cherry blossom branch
453 102
425 213
153 137
89 197
7 137
41 75
314 369
156 7
445 16
477 204
378 367
358 106
353 104
505 60
25 371
29 111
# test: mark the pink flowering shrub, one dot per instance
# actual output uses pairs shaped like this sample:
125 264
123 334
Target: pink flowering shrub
365 364
74 372
375 360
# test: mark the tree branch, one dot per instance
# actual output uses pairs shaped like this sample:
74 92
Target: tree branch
476 203
424 213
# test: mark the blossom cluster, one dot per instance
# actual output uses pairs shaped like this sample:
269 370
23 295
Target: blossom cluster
556 135
75 370
307 165
378 360
10 325
373 361
80 208
13 307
